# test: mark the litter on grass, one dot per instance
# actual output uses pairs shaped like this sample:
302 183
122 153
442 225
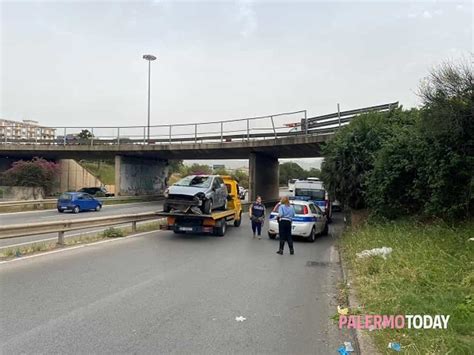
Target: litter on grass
383 252
342 350
395 346
348 346
240 319
342 311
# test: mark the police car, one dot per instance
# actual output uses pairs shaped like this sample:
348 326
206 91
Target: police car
308 222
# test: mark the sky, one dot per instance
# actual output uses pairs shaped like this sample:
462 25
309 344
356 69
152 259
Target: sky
71 63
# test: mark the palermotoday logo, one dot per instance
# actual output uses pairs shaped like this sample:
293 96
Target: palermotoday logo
410 321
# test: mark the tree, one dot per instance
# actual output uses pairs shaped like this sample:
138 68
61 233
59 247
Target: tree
291 170
242 177
37 172
196 169
85 134
175 166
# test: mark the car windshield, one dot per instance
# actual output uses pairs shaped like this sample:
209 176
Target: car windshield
65 197
195 181
311 193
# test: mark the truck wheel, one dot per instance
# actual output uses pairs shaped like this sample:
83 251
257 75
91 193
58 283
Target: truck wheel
207 208
166 208
238 222
220 231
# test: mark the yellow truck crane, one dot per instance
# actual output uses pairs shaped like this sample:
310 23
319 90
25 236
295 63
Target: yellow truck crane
215 222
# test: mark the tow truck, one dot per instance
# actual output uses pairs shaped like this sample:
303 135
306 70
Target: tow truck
213 223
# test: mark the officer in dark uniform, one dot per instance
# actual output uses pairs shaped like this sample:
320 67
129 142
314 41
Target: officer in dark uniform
257 216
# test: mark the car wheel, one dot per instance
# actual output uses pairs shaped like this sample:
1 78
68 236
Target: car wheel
76 209
312 236
98 208
60 210
239 221
207 208
271 235
225 205
166 208
325 230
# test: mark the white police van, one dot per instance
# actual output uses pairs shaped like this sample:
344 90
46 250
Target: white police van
313 190
309 221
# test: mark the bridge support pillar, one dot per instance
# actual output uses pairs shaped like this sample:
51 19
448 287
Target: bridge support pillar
140 176
263 176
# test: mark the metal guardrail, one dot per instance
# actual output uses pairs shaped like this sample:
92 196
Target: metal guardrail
245 129
60 227
54 200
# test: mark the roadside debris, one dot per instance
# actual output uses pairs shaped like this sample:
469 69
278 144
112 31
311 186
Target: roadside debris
395 346
342 311
240 318
383 252
348 346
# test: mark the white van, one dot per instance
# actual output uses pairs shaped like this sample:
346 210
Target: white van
313 190
291 185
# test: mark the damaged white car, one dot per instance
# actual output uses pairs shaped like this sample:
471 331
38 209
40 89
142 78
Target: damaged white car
197 194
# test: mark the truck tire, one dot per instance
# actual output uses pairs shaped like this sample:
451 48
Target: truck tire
166 208
238 222
221 229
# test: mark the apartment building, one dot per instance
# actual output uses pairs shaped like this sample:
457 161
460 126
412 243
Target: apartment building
24 130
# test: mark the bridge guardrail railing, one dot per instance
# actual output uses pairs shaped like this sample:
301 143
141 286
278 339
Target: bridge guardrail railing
244 129
60 227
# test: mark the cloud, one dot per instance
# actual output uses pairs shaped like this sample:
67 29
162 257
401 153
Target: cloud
247 17
459 7
427 14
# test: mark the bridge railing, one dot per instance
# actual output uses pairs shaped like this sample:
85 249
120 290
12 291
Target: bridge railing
244 129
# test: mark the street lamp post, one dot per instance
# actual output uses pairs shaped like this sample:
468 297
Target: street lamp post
150 58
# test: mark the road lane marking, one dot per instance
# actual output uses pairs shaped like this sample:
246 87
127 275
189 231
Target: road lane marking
77 247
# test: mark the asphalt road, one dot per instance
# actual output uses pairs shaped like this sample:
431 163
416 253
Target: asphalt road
167 293
54 215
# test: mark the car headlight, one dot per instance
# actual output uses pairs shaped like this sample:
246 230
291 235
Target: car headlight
166 193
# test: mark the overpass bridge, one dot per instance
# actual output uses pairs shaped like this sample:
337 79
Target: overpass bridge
141 155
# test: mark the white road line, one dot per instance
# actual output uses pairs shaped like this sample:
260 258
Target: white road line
77 247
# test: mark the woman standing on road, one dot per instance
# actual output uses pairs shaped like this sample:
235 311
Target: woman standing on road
257 216
286 212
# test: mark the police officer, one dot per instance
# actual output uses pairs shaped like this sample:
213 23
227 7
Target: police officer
257 216
286 212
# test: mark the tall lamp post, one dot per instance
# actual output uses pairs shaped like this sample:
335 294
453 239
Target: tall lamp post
150 58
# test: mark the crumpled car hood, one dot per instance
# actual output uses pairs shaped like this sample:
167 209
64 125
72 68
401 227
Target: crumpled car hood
186 190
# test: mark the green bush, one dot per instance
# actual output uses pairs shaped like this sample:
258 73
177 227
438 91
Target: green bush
113 233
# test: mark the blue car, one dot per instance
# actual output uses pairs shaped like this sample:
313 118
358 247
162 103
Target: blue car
77 202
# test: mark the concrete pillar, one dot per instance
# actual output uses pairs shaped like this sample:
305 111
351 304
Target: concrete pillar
140 176
263 176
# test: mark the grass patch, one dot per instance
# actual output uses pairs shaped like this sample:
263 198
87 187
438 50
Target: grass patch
103 170
430 271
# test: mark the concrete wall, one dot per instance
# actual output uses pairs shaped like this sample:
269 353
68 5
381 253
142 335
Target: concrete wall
21 193
74 177
140 176
264 173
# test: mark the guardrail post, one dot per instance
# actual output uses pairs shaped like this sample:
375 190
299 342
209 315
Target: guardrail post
61 238
222 131
64 137
144 135
248 129
170 133
134 227
92 136
339 114
273 125
305 122
118 135
195 133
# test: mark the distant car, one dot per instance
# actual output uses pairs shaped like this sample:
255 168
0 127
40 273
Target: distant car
291 185
313 191
336 206
206 192
309 221
96 190
77 202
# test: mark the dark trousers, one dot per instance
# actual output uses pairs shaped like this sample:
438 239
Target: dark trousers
257 227
284 229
